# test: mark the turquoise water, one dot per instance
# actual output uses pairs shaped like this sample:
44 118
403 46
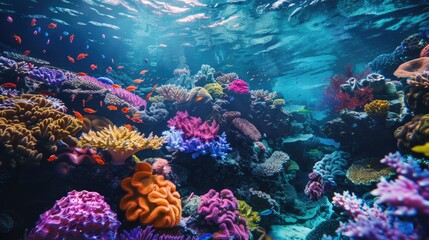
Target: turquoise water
318 105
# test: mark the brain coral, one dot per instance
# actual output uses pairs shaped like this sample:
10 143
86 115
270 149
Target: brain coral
413 133
151 199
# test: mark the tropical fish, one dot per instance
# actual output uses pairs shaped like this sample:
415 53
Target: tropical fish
199 98
125 110
137 114
119 67
39 29
162 45
35 32
137 120
138 80
154 87
81 74
8 85
81 56
52 158
303 111
52 25
33 22
17 38
26 52
131 88
65 33
116 86
78 116
48 41
148 96
103 36
98 159
46 34
109 69
296 11
128 126
112 108
266 212
9 19
105 80
206 236
70 59
101 103
424 149
142 72
93 67
146 60
71 38
89 110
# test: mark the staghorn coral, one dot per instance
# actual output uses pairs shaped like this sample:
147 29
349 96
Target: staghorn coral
367 171
29 128
262 95
204 76
79 215
413 133
174 93
215 90
227 78
120 142
252 217
194 127
247 128
377 108
272 165
413 67
150 199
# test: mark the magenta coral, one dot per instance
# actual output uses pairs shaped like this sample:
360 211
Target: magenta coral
239 86
194 126
79 215
220 208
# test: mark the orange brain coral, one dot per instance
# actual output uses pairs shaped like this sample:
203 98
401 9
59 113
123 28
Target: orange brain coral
151 199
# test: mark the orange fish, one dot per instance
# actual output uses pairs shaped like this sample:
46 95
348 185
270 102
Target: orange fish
81 74
136 120
116 86
93 67
71 38
52 158
89 110
154 87
78 115
131 88
81 56
138 80
128 126
124 110
199 98
8 85
148 96
120 67
101 103
137 114
18 39
70 59
26 52
98 159
109 69
33 22
112 108
52 25
142 72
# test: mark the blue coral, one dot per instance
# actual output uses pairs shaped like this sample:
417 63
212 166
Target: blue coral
175 140
51 77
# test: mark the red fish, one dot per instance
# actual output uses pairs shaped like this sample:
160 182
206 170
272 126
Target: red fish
98 159
199 98
137 114
125 110
116 86
154 87
18 39
9 19
78 115
131 88
70 59
26 52
33 22
71 38
136 120
52 25
138 81
89 110
128 126
93 67
109 69
81 56
52 158
148 96
112 108
8 85
81 74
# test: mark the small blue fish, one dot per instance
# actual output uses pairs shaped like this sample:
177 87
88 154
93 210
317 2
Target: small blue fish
39 29
231 99
65 33
266 212
205 236
102 56
105 80
46 34
87 46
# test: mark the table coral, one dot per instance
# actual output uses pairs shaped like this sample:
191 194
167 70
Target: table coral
367 171
151 199
30 126
413 67
121 142
79 215
377 108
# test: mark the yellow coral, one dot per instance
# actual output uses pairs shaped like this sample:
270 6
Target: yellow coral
367 171
252 217
121 142
377 108
215 89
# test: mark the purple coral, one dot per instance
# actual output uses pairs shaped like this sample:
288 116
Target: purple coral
79 215
220 208
239 86
51 77
149 233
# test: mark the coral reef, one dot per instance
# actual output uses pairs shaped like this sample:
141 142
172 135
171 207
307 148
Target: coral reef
413 67
174 93
194 127
204 76
377 108
413 133
262 95
120 142
247 128
79 215
239 86
151 199
215 90
272 165
252 217
149 233
367 171
95 123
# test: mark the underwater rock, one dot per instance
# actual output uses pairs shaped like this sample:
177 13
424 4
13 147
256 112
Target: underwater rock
288 232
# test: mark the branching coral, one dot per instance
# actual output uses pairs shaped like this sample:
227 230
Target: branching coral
227 78
205 75
272 165
29 128
174 93
419 80
377 108
262 95
121 142
194 127
151 199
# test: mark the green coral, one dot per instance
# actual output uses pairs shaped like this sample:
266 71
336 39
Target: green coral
215 89
252 217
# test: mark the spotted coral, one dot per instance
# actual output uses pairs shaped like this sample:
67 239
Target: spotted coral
151 199
121 142
377 108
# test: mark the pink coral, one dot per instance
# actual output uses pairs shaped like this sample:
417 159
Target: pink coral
239 86
194 126
161 166
247 128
